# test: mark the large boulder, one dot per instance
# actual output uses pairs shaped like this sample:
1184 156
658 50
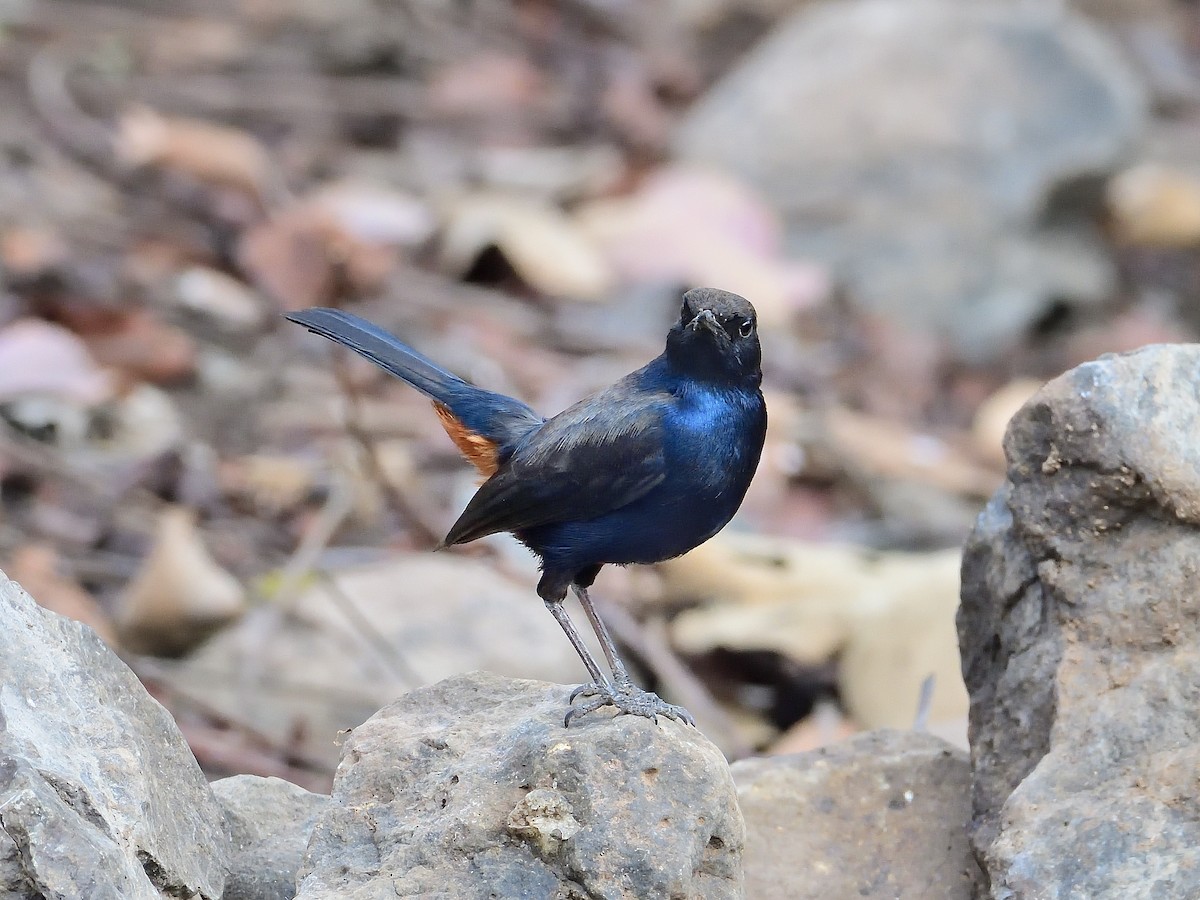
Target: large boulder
100 796
1080 633
473 788
882 815
940 156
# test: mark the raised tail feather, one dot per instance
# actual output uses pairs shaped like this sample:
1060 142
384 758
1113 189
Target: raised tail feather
496 418
381 348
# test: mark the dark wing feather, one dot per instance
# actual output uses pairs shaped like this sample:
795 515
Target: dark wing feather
596 456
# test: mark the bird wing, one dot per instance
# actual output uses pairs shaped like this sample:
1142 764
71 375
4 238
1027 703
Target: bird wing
599 455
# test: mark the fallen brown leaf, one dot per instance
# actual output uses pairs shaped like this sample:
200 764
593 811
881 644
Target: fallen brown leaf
1154 205
545 248
702 227
303 256
270 483
137 342
484 85
880 448
216 154
181 595
35 566
28 251
992 416
37 357
887 617
220 299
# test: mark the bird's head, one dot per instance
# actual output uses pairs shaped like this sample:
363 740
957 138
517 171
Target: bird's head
716 338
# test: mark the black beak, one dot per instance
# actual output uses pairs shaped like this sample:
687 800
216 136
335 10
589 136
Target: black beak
706 318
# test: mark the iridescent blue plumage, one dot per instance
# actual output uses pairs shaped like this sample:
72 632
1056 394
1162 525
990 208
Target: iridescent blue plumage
639 472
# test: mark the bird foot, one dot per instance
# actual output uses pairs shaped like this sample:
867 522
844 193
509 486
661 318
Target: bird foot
629 699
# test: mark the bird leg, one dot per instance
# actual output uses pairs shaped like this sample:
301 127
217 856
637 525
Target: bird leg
622 693
620 674
560 614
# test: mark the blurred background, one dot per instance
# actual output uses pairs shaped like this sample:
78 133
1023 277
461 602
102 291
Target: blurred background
935 207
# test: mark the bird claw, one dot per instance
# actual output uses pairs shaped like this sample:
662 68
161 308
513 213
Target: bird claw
584 690
629 699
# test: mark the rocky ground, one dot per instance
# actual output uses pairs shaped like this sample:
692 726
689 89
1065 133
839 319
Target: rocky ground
936 207
1076 627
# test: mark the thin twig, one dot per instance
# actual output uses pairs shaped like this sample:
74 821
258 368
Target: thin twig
161 671
924 703
338 505
86 137
423 533
221 748
387 651
156 674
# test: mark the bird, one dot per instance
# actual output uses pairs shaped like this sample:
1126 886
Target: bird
639 472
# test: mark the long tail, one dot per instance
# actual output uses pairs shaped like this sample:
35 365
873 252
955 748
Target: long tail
485 425
381 348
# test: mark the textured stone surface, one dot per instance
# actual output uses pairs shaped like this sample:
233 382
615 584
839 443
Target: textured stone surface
472 788
882 815
100 796
1080 631
933 153
268 821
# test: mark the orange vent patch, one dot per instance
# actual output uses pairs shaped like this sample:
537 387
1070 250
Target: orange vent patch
476 448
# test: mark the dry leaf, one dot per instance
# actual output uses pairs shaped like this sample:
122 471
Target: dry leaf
826 725
200 44
544 247
485 86
562 173
272 484
29 251
215 154
375 214
301 257
35 567
143 424
887 617
37 357
631 104
181 595
701 227
288 257
880 448
220 298
992 417
137 342
1156 206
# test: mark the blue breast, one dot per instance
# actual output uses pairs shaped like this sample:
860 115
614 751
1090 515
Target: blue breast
714 439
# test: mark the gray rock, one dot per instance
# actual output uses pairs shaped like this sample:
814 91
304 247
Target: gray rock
1080 633
268 821
302 678
932 153
472 788
881 815
100 796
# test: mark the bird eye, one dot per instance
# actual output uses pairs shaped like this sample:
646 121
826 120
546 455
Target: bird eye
746 328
